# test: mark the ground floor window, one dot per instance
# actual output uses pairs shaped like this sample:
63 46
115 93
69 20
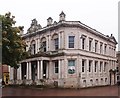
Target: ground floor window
71 66
56 67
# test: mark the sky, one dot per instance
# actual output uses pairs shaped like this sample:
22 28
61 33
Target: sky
101 15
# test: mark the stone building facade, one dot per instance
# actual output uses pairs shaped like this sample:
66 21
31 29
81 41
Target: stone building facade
67 54
118 66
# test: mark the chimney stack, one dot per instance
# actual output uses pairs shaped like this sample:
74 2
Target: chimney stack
49 21
62 16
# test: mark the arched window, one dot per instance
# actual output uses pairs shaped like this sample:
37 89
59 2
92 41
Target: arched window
32 47
43 44
55 41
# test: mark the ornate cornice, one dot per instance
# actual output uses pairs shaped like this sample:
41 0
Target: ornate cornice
70 24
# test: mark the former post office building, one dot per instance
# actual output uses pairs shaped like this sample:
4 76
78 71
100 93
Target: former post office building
67 54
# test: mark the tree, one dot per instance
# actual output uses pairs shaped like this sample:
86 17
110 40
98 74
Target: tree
13 47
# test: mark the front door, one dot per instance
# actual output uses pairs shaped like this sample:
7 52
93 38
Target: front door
44 69
34 70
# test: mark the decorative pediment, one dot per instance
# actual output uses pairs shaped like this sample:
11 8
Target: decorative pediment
112 38
34 26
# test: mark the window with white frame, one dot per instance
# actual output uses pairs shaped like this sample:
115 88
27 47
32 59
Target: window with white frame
96 65
83 65
56 44
71 66
32 47
90 44
101 64
71 41
96 45
44 46
56 67
105 79
105 49
101 48
90 65
105 66
83 42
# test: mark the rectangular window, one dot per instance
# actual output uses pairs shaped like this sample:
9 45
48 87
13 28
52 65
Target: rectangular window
34 48
105 49
71 41
118 78
105 65
96 65
101 66
44 46
96 43
56 66
56 43
83 65
117 69
101 45
90 65
71 66
83 43
90 44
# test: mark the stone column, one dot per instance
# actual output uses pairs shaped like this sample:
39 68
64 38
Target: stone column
50 72
65 67
27 71
38 70
47 70
11 73
19 72
62 69
87 71
59 68
41 69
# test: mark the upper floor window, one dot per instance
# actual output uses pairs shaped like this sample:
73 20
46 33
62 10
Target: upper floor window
96 45
101 48
71 41
105 49
90 44
83 42
56 43
44 46
32 47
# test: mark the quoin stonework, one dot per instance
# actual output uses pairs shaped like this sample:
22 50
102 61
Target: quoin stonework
67 54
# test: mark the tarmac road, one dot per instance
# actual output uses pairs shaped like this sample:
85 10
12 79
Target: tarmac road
96 91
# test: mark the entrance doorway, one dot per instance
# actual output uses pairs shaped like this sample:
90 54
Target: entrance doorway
23 70
45 69
34 70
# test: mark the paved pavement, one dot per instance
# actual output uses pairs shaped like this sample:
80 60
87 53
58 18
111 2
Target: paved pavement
97 91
